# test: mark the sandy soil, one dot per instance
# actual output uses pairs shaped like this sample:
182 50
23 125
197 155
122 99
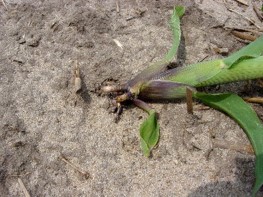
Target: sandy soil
43 122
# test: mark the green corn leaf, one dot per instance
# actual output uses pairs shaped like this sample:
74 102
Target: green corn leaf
180 10
246 117
254 49
149 133
161 65
176 29
216 72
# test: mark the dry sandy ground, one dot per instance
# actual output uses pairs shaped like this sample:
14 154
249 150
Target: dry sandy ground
43 122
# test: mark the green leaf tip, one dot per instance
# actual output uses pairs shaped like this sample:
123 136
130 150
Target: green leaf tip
253 50
161 65
180 10
246 117
149 133
176 30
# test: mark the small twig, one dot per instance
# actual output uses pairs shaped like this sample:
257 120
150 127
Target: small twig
84 173
236 147
117 6
201 107
222 51
244 36
19 175
189 100
139 13
254 100
248 19
77 79
26 193
203 58
242 2
256 32
4 4
243 41
118 43
258 13
118 112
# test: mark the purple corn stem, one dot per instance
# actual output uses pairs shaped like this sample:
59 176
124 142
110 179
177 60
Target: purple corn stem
144 106
162 90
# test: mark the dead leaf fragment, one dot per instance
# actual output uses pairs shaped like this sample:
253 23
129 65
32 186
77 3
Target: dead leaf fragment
244 36
118 43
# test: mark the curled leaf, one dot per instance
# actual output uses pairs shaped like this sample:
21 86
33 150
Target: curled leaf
149 133
176 30
161 65
254 49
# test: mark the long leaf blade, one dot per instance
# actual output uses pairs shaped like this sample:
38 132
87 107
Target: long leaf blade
216 72
247 118
244 64
254 49
161 65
